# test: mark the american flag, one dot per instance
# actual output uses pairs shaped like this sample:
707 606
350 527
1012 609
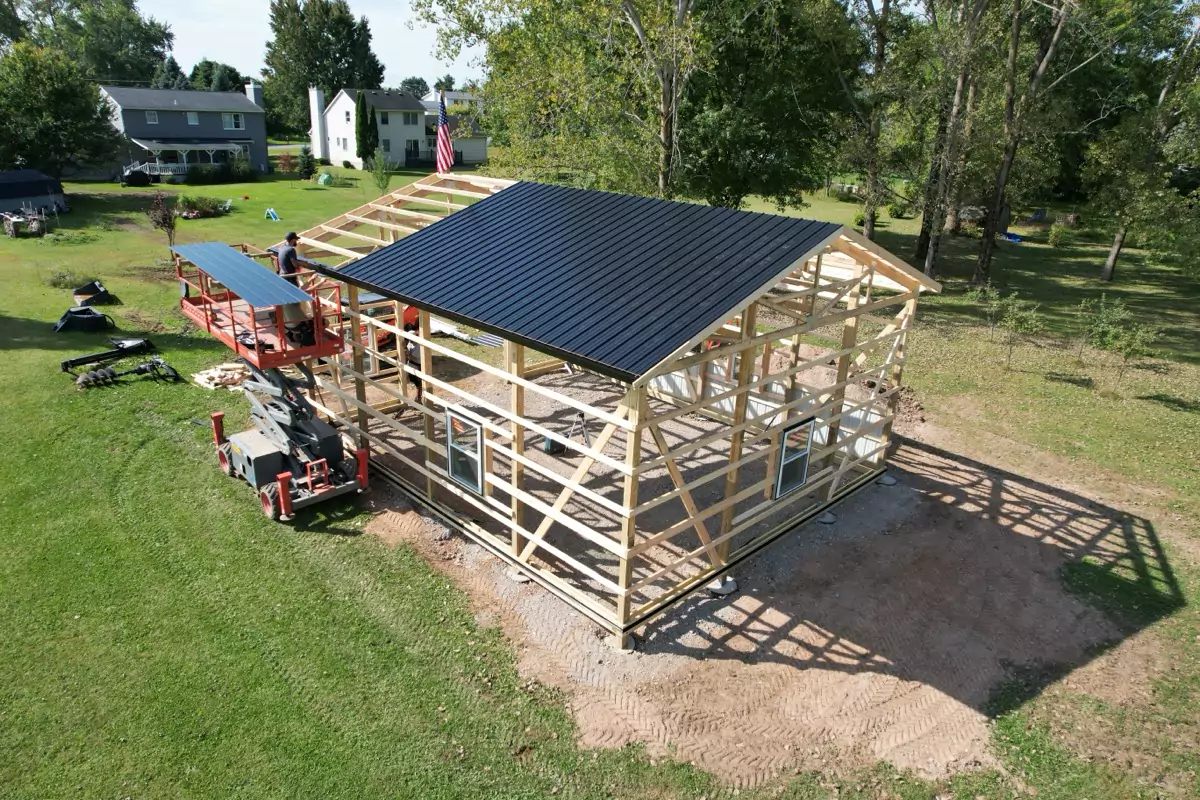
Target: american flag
445 152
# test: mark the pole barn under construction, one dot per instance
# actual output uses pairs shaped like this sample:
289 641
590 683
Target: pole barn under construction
675 386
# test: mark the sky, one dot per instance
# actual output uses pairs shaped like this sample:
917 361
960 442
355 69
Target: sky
236 32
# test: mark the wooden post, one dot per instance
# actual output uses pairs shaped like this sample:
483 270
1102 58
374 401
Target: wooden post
635 401
514 361
360 388
910 311
426 331
849 338
745 370
401 349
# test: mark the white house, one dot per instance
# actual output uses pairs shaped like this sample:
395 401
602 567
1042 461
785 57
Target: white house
407 129
399 116
452 99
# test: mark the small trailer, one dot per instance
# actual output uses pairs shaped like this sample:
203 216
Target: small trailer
291 457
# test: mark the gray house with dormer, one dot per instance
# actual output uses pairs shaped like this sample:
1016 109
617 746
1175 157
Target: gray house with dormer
166 130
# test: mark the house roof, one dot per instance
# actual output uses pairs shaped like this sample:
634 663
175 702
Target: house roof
451 96
614 282
245 277
27 183
453 121
138 99
387 100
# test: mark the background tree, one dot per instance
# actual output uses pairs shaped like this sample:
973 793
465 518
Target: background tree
214 76
110 40
444 83
306 164
11 27
415 84
381 175
315 43
366 131
168 75
766 123
51 115
162 217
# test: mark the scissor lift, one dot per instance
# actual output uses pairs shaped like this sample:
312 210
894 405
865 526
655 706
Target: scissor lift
291 457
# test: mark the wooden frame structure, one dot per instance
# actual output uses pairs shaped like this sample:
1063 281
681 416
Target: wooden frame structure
681 482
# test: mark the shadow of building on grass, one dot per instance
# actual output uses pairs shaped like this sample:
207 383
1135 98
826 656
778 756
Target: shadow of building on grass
959 578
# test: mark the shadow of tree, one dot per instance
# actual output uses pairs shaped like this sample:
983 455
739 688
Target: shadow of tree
1176 403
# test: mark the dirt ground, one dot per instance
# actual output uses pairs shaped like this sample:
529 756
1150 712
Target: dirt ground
881 636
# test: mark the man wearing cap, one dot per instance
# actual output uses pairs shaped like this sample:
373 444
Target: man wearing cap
289 260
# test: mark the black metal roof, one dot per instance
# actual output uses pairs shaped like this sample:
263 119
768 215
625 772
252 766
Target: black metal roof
27 183
614 282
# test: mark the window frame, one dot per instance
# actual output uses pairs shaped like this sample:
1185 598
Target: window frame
193 118
386 144
783 459
409 117
151 117
230 120
451 417
383 118
347 116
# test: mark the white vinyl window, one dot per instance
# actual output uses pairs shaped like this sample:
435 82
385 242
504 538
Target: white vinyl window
347 116
383 118
151 117
410 118
386 144
464 451
193 118
233 122
792 470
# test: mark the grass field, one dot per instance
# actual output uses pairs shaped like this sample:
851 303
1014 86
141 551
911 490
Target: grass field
162 639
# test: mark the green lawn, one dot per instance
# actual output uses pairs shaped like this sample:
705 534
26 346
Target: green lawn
162 639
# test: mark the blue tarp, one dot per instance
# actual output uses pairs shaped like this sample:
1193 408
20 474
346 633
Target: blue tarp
240 274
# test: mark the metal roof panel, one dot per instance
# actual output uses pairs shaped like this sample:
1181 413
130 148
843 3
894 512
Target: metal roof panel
245 277
615 282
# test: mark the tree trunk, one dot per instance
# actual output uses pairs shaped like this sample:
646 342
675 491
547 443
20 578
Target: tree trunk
869 208
953 224
874 190
666 135
1012 126
1114 252
930 199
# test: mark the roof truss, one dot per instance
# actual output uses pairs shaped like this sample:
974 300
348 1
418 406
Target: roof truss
350 236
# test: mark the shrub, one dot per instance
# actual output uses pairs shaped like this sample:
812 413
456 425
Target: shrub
1102 323
203 174
1057 233
197 206
844 195
1132 343
138 179
860 218
989 298
347 165
306 165
242 171
65 279
162 217
288 163
324 162
899 209
1020 320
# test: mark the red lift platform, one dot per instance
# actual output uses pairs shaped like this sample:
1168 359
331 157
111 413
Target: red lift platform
291 457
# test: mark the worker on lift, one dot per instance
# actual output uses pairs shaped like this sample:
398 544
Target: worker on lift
289 259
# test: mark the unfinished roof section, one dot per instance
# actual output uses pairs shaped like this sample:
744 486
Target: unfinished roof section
613 282
246 278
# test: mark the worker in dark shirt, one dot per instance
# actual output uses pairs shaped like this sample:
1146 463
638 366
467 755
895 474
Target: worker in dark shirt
289 261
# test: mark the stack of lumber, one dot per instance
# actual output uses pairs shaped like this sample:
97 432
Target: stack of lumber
230 375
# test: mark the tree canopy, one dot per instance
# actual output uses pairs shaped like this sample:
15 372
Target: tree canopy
51 115
415 85
214 76
110 40
444 83
168 75
315 43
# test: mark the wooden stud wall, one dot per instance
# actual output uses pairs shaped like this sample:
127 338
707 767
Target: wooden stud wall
605 558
